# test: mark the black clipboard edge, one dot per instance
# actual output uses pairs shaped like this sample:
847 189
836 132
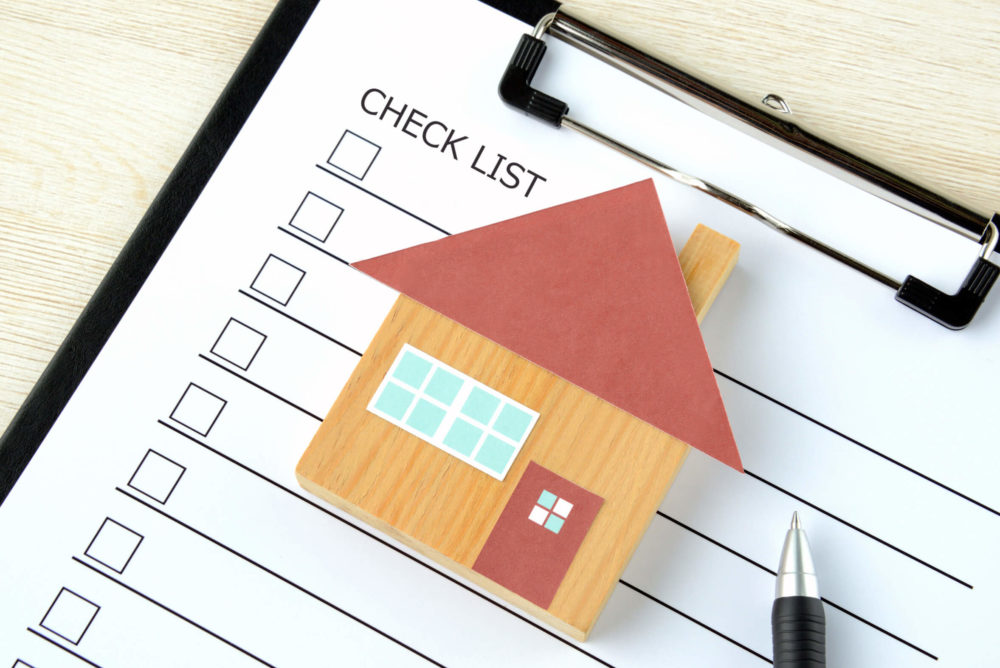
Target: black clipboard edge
171 205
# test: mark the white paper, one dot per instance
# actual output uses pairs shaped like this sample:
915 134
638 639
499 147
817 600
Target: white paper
876 424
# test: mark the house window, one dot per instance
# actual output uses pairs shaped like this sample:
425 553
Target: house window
453 412
550 511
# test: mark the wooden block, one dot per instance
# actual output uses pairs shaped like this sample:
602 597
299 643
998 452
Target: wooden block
446 509
707 259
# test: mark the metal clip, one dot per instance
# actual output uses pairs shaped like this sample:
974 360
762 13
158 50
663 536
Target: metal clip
957 310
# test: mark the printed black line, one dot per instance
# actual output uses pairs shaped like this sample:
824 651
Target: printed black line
314 245
261 388
63 648
171 610
385 543
299 322
280 577
858 529
716 543
696 621
775 573
385 201
858 443
875 626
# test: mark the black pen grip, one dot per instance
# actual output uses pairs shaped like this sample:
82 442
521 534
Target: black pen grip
798 631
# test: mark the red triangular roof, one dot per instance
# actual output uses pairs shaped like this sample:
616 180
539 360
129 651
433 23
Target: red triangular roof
590 290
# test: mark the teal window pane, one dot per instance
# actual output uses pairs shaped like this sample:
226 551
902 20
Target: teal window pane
547 499
394 401
412 370
494 454
443 386
463 437
481 405
554 524
512 422
425 417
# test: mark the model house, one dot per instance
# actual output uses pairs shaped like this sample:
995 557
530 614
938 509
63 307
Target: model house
527 402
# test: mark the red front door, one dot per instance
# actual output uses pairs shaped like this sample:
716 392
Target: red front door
538 534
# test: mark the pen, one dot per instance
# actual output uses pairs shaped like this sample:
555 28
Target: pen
798 625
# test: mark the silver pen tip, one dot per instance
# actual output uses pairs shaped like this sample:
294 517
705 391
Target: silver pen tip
796 572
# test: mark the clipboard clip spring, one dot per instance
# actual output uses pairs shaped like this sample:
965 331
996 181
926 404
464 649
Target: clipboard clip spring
953 311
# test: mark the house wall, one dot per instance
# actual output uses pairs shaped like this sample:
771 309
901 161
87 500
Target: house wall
386 475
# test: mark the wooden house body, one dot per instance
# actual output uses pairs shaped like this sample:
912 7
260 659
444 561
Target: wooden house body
526 404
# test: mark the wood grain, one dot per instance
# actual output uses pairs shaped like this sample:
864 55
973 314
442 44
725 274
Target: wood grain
446 509
706 260
100 98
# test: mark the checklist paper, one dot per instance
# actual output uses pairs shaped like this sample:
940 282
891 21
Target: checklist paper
160 524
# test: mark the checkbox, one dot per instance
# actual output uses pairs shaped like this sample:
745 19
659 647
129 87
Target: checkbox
113 545
156 476
316 217
198 409
70 615
354 154
238 343
277 279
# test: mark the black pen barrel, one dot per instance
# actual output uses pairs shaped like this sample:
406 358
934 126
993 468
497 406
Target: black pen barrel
798 630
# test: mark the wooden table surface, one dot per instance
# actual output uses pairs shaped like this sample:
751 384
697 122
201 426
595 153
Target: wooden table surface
99 99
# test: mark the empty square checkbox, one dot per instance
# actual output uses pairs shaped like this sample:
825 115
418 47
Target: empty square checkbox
277 279
198 409
354 154
113 545
70 615
157 476
316 217
238 343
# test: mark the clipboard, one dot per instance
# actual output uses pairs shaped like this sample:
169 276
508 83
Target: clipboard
155 232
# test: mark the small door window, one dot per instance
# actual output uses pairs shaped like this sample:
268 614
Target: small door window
550 511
